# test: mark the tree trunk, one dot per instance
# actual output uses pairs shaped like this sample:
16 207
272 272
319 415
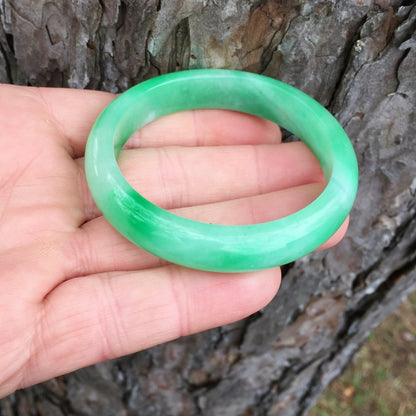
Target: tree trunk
357 58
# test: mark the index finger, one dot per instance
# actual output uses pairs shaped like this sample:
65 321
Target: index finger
75 111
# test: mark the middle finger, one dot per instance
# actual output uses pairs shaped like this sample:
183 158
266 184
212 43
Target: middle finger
178 177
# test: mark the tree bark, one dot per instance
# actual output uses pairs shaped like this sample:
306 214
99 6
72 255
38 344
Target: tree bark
357 58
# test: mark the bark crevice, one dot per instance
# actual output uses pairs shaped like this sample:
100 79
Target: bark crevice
357 59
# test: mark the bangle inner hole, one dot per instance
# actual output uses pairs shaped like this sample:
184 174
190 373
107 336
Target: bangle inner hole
210 183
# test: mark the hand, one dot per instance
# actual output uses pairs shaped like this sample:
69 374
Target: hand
73 292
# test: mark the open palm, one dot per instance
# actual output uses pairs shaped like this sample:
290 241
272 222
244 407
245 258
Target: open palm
73 292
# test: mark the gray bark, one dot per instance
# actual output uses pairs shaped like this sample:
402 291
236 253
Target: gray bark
358 58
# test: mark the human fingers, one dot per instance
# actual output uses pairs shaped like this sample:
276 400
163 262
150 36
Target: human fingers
183 176
337 237
209 127
75 112
91 319
70 112
98 247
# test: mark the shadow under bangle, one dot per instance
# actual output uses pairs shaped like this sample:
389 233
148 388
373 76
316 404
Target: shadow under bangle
211 247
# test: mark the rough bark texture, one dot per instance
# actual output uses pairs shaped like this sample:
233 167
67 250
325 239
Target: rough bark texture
358 58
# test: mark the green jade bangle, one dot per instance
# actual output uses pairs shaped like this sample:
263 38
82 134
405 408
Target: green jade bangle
212 247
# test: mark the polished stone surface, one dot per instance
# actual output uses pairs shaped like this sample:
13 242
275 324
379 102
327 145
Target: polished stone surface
218 247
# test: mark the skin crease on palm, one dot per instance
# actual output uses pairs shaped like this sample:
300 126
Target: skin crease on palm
73 292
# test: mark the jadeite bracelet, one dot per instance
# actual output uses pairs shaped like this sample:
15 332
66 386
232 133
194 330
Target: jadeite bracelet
212 247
